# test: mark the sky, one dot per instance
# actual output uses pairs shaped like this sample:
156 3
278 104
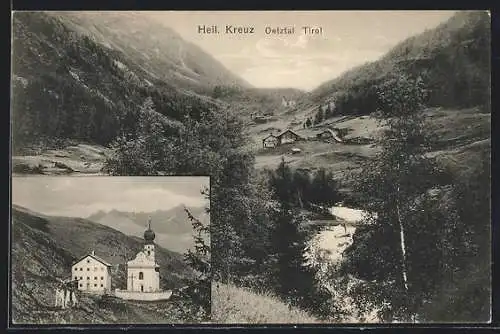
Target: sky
348 39
83 196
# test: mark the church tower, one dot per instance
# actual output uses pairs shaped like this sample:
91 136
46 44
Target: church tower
149 237
143 273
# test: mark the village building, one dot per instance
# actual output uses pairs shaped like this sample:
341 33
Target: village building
329 134
287 103
270 141
288 136
92 273
143 273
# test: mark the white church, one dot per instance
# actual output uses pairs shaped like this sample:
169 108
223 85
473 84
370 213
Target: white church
143 273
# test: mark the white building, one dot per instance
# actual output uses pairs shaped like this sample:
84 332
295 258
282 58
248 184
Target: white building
287 103
143 273
93 274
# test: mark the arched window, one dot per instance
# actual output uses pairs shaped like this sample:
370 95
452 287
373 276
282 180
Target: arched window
141 275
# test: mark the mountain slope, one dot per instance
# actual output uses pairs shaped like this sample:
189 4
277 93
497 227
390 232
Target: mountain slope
453 59
66 85
157 48
43 250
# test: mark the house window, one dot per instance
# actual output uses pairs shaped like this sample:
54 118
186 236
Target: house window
141 275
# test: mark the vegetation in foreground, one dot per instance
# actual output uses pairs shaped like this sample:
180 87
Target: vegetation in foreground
237 305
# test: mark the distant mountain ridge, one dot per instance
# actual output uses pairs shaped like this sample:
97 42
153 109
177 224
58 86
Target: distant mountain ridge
172 221
172 227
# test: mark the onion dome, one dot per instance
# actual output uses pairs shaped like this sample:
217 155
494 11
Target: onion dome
149 235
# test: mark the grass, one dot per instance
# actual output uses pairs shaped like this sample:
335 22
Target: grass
234 305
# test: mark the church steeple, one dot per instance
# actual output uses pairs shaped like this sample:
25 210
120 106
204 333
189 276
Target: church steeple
149 235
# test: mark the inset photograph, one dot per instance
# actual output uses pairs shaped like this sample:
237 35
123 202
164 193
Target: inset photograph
110 250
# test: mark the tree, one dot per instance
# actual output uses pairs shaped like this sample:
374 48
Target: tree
291 277
318 118
308 123
199 292
324 189
397 186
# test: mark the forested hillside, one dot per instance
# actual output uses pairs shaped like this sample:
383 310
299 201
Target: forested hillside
65 85
453 60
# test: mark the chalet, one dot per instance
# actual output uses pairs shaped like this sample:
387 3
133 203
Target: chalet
288 136
270 141
329 134
287 103
92 273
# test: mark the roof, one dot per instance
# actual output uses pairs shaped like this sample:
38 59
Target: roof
288 130
95 257
269 136
334 133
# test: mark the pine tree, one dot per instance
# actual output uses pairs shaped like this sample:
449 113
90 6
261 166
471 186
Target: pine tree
199 292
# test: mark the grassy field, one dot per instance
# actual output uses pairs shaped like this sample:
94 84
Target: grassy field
77 159
234 305
460 136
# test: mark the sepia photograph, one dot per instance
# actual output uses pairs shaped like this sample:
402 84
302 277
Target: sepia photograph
347 155
109 250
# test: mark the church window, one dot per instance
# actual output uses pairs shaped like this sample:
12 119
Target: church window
81 277
88 277
102 285
88 269
88 261
75 277
142 288
81 285
149 252
76 269
102 277
141 275
95 285
95 277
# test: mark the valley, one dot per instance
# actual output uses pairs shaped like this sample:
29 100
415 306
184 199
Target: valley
117 94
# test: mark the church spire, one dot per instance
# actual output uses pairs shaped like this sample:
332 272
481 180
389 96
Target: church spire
149 235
